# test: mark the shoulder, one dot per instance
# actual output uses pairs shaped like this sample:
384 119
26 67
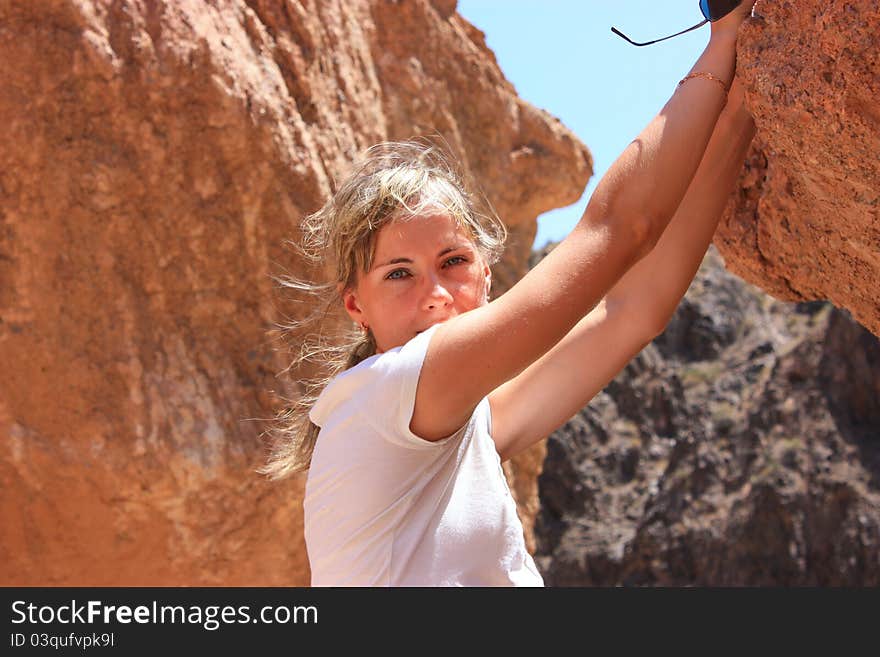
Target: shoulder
382 378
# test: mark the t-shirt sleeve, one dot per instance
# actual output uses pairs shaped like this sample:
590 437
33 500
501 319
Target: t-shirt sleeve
393 396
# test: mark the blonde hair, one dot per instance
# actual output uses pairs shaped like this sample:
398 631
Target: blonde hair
393 181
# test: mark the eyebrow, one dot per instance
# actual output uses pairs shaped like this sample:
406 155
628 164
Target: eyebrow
395 261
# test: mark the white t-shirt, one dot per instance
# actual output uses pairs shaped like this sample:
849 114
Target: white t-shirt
384 507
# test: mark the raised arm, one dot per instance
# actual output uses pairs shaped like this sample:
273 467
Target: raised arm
471 355
658 281
636 309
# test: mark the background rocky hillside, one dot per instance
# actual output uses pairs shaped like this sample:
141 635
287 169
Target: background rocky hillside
742 447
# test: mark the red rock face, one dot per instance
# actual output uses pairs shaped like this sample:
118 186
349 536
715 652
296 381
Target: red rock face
806 224
153 158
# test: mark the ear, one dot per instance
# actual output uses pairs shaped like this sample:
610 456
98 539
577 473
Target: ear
487 274
350 303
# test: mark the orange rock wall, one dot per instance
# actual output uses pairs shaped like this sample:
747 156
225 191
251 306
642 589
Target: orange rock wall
806 221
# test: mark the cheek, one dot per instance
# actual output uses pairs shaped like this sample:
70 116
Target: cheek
472 285
398 295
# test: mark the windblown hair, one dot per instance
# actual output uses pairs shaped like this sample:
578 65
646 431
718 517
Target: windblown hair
394 181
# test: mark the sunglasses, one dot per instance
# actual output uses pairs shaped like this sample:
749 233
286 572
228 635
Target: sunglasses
712 11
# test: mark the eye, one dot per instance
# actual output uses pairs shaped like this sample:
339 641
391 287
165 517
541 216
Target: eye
393 276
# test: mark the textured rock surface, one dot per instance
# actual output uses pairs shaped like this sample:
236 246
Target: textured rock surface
153 157
742 447
807 222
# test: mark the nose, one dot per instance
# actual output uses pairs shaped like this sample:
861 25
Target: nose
438 296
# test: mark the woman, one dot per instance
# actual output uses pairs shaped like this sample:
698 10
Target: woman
404 441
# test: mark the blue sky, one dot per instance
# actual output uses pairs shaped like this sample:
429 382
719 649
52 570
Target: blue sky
562 56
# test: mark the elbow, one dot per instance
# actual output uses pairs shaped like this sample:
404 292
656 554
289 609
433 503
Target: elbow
657 321
643 232
648 319
650 228
639 229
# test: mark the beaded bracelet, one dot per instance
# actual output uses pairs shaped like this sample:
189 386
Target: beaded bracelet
704 74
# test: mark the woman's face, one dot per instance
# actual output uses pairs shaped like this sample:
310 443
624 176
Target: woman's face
425 270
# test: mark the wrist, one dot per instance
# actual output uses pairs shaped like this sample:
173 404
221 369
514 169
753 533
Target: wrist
723 37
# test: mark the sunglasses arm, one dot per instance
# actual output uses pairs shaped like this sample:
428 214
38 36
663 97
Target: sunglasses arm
648 43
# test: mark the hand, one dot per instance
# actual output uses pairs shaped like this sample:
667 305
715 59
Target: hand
729 25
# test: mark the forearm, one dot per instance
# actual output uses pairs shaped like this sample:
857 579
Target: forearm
658 281
651 176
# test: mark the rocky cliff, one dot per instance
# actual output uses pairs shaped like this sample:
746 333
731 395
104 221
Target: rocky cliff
153 158
806 222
